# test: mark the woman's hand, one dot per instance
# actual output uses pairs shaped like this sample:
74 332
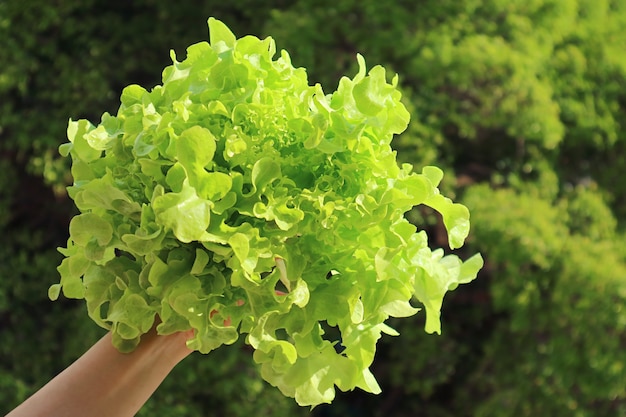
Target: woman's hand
104 382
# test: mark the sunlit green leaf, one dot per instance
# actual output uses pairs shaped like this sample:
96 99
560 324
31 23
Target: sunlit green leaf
237 200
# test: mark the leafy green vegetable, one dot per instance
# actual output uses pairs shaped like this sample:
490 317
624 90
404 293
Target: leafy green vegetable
237 199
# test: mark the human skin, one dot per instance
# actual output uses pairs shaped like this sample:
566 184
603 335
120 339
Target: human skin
105 382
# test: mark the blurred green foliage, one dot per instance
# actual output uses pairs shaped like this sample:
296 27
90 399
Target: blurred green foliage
521 102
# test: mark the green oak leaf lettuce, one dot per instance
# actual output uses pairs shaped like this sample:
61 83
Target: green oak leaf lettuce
236 199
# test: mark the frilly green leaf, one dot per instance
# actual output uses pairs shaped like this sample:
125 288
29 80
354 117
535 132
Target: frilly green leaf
236 199
184 213
220 33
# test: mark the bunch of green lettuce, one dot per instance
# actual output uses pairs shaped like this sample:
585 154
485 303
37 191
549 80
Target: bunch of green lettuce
237 199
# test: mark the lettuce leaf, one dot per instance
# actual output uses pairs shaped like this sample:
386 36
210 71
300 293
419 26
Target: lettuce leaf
238 200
